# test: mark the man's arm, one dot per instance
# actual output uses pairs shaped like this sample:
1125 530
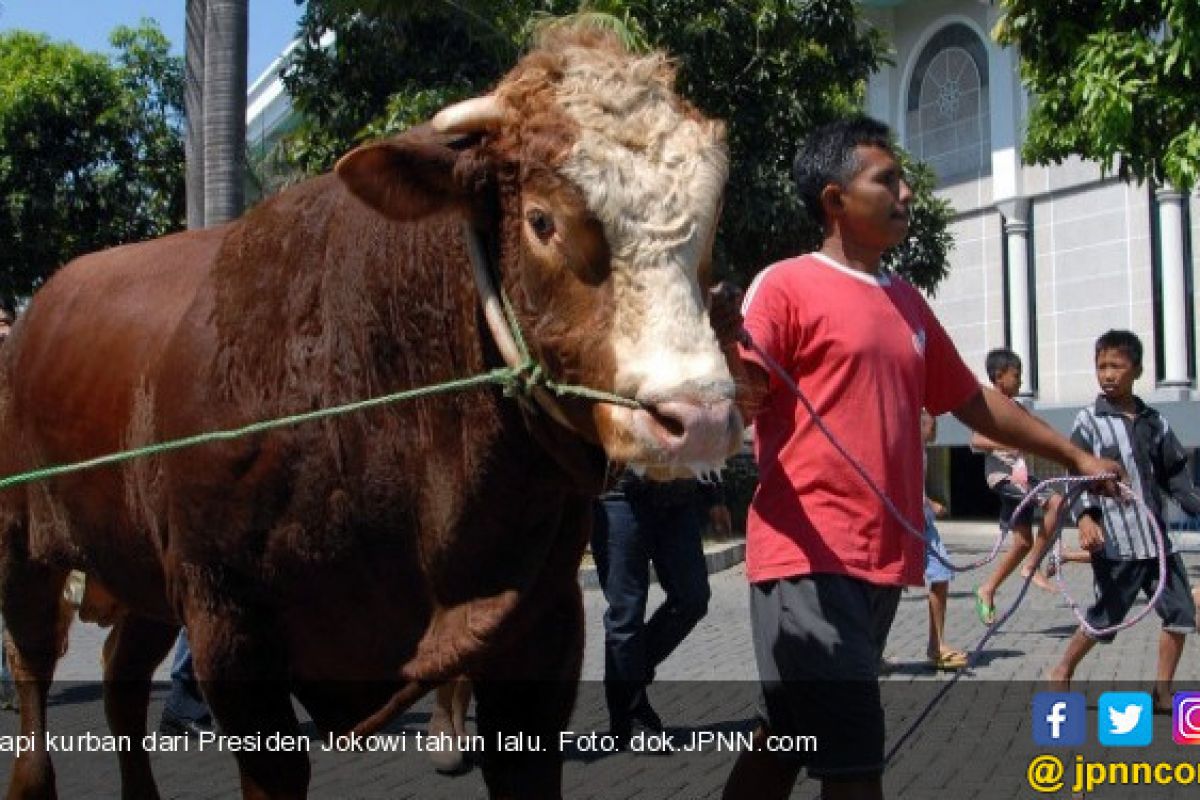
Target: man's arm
725 315
998 418
752 383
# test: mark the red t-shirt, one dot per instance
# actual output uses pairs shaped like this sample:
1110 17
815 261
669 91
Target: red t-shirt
868 353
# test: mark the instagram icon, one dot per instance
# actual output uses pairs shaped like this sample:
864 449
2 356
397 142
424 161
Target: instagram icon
1186 718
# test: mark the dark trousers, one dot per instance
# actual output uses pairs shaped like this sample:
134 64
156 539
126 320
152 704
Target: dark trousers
185 701
628 536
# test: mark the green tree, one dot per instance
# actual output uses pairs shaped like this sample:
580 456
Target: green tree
1115 81
383 73
773 69
90 150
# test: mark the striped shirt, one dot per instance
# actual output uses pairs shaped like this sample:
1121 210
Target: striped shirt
1156 462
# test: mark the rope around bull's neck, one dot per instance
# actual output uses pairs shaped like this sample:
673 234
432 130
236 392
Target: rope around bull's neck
519 381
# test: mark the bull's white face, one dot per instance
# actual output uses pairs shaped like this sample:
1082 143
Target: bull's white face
652 175
611 185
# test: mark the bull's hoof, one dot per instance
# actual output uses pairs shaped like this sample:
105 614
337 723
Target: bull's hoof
450 762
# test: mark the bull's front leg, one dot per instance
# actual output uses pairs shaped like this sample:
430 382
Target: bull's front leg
529 687
529 693
242 671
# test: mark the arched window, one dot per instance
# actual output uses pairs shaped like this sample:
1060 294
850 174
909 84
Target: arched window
948 124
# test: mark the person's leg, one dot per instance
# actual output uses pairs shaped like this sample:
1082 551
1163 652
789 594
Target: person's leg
1009 561
937 577
1177 609
622 564
1061 674
1050 517
678 555
865 789
1170 648
1117 584
936 643
759 774
185 711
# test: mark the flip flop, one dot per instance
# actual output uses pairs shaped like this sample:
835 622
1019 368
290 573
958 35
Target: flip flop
985 612
949 661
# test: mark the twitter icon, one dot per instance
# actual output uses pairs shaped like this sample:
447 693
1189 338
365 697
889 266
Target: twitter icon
1125 719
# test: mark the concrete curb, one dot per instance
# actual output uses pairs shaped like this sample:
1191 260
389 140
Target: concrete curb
717 557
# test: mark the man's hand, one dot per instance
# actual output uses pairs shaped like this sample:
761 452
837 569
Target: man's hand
720 521
1088 464
939 510
725 312
1091 535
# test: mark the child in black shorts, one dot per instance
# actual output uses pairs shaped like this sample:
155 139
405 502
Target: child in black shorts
1008 476
1118 534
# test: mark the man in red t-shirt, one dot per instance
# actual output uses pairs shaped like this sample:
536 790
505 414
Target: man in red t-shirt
825 559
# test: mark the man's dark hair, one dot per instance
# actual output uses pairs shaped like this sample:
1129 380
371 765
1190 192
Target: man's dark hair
999 361
828 156
1125 341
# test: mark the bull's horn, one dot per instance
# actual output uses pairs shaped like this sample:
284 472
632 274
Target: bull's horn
476 114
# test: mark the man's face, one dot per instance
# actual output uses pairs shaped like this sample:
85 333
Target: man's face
5 326
1116 373
1008 382
876 201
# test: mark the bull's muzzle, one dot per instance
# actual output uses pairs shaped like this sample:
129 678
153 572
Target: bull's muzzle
682 433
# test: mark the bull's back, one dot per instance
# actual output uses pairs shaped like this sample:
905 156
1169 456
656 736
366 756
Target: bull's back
96 332
77 367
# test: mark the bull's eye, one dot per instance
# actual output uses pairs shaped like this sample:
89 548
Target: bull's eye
541 223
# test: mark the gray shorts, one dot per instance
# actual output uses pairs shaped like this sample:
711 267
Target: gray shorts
818 640
1118 583
1011 497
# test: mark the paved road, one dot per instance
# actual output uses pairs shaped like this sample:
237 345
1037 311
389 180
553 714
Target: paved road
975 743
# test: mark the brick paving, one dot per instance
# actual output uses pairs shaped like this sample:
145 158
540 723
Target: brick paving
976 742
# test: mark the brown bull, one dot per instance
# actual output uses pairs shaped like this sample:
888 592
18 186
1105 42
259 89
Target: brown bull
355 562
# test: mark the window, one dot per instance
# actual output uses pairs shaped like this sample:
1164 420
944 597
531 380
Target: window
948 124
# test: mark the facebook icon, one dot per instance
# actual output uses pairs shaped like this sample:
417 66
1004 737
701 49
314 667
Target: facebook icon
1059 719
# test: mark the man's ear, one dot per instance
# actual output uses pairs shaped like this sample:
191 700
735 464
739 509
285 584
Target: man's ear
408 177
831 200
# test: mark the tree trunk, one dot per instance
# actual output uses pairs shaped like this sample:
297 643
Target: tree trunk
193 105
225 43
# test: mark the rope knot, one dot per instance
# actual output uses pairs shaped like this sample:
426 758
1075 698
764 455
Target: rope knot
521 381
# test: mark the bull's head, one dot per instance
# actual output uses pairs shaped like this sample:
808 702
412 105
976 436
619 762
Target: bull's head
598 189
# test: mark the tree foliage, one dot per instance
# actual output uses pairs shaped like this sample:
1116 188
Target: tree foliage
1115 81
90 150
773 69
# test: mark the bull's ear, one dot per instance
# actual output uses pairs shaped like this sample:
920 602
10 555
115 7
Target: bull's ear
408 177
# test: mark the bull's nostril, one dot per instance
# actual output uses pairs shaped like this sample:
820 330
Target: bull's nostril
671 424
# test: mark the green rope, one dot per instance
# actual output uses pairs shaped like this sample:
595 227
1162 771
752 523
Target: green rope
538 378
523 379
507 377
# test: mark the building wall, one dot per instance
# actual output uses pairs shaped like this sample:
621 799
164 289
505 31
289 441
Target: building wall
1091 251
1092 260
970 301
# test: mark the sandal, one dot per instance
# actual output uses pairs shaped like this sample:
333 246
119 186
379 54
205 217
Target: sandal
985 612
949 661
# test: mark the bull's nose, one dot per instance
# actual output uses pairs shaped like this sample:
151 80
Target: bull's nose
695 432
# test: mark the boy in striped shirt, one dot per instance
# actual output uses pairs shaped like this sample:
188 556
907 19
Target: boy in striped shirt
1118 534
